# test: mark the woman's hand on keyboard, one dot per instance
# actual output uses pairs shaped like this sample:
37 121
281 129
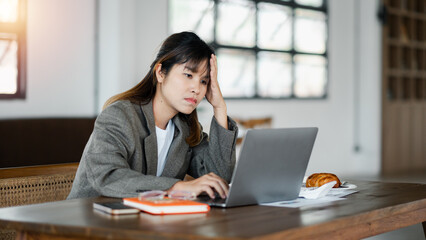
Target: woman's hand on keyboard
209 184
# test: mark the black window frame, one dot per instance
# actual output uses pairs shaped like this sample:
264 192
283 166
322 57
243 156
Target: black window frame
293 5
19 28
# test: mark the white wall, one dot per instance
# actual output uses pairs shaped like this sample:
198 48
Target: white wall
368 160
60 60
350 116
130 32
62 73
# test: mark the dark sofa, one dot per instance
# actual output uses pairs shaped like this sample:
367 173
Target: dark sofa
28 142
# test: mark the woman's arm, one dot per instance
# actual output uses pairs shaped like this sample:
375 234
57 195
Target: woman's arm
112 162
214 95
213 160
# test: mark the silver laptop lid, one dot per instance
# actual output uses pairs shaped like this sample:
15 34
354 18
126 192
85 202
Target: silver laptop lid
271 165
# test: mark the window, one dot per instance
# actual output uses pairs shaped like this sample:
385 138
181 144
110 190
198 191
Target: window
12 48
265 49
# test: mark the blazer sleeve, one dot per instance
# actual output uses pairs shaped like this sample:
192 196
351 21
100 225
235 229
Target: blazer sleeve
215 153
109 155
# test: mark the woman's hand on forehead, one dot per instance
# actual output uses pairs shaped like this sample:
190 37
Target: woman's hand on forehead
214 95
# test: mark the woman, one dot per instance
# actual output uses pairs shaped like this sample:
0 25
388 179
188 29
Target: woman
149 137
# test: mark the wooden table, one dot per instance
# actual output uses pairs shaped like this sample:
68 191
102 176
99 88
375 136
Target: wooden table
376 208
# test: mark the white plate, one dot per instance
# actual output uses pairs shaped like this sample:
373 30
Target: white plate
347 185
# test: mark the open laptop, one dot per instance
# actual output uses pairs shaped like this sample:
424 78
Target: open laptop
270 168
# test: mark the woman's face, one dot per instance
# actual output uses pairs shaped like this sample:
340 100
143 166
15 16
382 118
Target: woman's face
183 88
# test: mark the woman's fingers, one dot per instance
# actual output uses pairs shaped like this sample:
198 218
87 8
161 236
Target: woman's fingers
216 183
221 186
209 183
213 68
207 189
217 187
213 93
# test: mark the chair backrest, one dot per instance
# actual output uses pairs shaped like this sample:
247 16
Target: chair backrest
30 185
250 123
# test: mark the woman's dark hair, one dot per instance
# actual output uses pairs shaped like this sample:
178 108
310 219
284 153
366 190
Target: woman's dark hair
179 48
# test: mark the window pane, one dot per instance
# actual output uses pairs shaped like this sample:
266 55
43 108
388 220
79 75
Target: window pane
290 43
274 74
312 3
236 23
311 75
310 31
8 10
236 72
274 30
192 15
8 65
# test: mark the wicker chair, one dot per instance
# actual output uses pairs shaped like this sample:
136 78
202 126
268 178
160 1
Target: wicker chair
54 145
30 185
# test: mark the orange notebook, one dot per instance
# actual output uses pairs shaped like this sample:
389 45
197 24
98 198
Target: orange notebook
167 206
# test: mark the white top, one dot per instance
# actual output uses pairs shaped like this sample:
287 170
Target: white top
164 140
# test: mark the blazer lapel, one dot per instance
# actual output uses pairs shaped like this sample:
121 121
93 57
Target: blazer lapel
176 156
150 142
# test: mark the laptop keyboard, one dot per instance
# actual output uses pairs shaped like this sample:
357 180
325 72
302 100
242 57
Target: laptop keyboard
211 201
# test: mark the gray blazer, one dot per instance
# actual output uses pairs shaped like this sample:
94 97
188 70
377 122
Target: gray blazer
120 157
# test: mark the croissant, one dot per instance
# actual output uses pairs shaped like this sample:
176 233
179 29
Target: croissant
319 179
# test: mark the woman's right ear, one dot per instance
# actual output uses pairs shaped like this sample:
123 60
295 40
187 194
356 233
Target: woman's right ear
159 74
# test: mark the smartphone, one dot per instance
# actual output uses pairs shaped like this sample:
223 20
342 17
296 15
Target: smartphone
115 208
